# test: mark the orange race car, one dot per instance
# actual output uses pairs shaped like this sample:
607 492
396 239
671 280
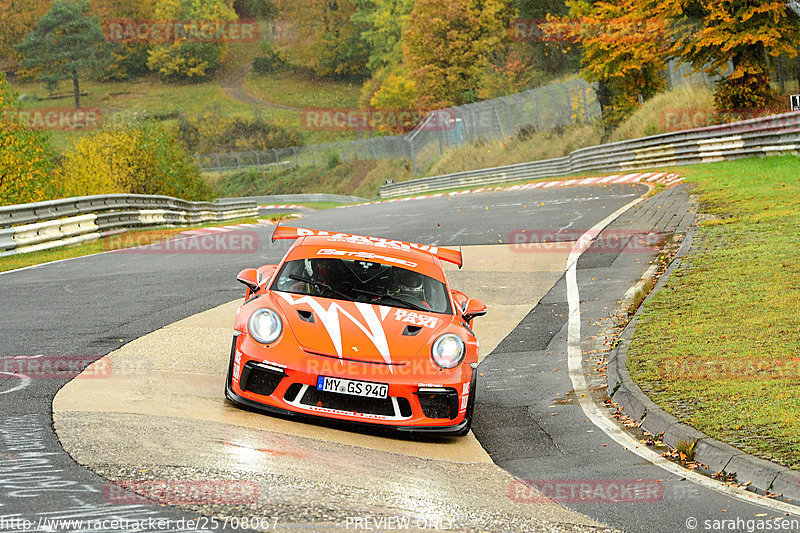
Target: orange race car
358 329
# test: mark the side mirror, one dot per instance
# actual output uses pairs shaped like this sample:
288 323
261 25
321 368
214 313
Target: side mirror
474 308
249 277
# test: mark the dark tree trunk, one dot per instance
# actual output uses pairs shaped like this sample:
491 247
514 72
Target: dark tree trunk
603 96
75 89
798 72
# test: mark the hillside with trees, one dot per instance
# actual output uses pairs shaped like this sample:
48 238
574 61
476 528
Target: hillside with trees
237 94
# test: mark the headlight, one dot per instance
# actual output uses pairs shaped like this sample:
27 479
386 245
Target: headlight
265 325
448 350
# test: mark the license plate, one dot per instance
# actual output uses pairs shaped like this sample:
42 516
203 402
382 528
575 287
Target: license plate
352 387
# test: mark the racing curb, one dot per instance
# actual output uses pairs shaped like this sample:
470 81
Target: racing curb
714 456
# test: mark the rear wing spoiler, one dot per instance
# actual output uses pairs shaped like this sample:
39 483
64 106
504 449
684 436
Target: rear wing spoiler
445 254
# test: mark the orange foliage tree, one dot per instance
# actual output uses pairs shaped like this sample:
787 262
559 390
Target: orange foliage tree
739 32
18 18
622 48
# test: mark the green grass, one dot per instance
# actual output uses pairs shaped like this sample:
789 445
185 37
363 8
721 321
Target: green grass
300 90
144 97
114 242
357 178
303 91
719 346
682 108
518 149
319 205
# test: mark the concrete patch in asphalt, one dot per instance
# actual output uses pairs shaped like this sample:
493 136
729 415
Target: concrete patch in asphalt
162 407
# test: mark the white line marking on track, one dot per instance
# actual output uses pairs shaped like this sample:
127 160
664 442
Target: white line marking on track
600 417
24 381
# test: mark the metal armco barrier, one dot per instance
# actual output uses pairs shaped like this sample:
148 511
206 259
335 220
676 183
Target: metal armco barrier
42 225
774 134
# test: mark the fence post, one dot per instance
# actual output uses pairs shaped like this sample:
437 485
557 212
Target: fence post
313 157
553 103
296 163
521 122
499 123
258 162
435 116
412 158
276 155
585 104
568 93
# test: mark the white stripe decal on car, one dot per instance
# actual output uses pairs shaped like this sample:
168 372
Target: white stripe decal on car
330 320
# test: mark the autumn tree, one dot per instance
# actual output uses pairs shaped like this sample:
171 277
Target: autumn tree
138 158
126 60
513 74
66 42
738 32
323 37
548 56
622 49
448 46
383 22
19 18
255 9
185 58
26 165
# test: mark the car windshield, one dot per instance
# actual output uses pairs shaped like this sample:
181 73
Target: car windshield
363 281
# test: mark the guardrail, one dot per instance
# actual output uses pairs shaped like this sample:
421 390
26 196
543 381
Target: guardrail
772 134
297 198
43 225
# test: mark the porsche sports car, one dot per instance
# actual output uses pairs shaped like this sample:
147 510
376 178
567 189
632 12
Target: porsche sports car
357 329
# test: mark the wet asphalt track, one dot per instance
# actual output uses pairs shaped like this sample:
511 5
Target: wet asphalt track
91 306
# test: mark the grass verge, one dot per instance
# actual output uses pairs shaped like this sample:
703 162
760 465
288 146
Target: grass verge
719 345
105 244
356 178
303 90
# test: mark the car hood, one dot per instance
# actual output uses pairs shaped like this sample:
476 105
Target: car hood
358 330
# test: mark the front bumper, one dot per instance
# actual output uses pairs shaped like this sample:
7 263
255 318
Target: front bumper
416 403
